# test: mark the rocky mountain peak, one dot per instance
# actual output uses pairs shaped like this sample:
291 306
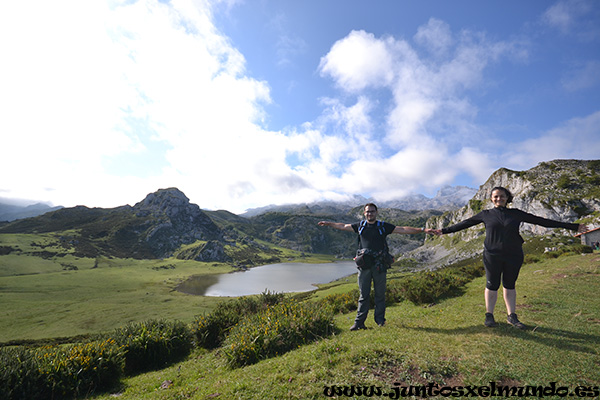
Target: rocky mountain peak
170 202
176 221
563 190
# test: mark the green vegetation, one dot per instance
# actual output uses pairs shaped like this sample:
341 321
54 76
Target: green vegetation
277 330
44 297
276 346
60 371
443 343
211 330
563 181
76 370
475 205
249 329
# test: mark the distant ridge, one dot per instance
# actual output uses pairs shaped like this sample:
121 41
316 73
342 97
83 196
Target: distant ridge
447 198
11 212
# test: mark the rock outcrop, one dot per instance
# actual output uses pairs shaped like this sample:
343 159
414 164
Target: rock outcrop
175 221
563 190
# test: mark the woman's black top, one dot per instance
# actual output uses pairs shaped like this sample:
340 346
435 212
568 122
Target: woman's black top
502 227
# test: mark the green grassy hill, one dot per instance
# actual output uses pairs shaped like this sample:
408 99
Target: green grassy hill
49 291
444 344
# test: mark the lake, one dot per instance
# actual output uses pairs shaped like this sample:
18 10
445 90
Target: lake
283 277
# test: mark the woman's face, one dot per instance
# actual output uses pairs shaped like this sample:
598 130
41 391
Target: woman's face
499 198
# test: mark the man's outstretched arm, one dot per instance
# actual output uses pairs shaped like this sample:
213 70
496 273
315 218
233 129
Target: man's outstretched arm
337 225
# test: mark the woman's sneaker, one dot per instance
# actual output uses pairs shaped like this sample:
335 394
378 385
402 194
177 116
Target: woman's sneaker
514 321
489 320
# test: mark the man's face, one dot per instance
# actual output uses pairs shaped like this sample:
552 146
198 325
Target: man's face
370 214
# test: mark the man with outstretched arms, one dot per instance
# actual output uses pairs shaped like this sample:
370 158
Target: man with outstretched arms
373 260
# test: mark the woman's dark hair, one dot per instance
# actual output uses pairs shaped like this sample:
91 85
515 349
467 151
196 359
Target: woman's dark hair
509 196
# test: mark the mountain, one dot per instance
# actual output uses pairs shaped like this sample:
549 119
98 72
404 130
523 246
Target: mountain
563 190
298 229
11 212
447 198
166 224
153 228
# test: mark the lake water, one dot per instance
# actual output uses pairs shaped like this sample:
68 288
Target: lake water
284 277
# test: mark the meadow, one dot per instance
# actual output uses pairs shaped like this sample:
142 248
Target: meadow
45 296
441 341
441 344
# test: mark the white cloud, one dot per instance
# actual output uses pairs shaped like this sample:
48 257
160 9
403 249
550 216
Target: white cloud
359 61
476 163
89 91
576 139
563 15
86 84
574 18
558 16
435 37
583 77
430 115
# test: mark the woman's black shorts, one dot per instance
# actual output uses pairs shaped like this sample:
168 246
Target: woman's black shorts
502 266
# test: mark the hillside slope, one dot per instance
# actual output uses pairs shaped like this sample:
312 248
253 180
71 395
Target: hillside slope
442 345
563 190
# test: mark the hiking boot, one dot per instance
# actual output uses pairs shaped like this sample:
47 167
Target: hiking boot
489 320
514 321
356 327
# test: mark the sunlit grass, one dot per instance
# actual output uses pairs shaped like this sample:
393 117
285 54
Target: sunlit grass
444 343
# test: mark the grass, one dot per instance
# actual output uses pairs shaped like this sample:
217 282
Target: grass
445 343
59 295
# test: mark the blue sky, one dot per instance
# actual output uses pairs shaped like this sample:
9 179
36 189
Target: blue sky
242 104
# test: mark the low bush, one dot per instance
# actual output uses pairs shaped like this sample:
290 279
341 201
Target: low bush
276 330
569 250
153 344
531 259
341 302
429 286
59 371
210 330
581 249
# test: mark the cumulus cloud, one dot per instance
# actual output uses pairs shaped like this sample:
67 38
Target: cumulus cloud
576 138
88 87
429 97
103 103
359 61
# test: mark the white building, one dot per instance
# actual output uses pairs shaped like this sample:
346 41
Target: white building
590 237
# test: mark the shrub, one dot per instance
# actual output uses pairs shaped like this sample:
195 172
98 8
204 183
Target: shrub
211 330
552 254
406 263
429 286
581 249
563 181
475 205
276 330
341 302
60 371
593 179
153 344
531 259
